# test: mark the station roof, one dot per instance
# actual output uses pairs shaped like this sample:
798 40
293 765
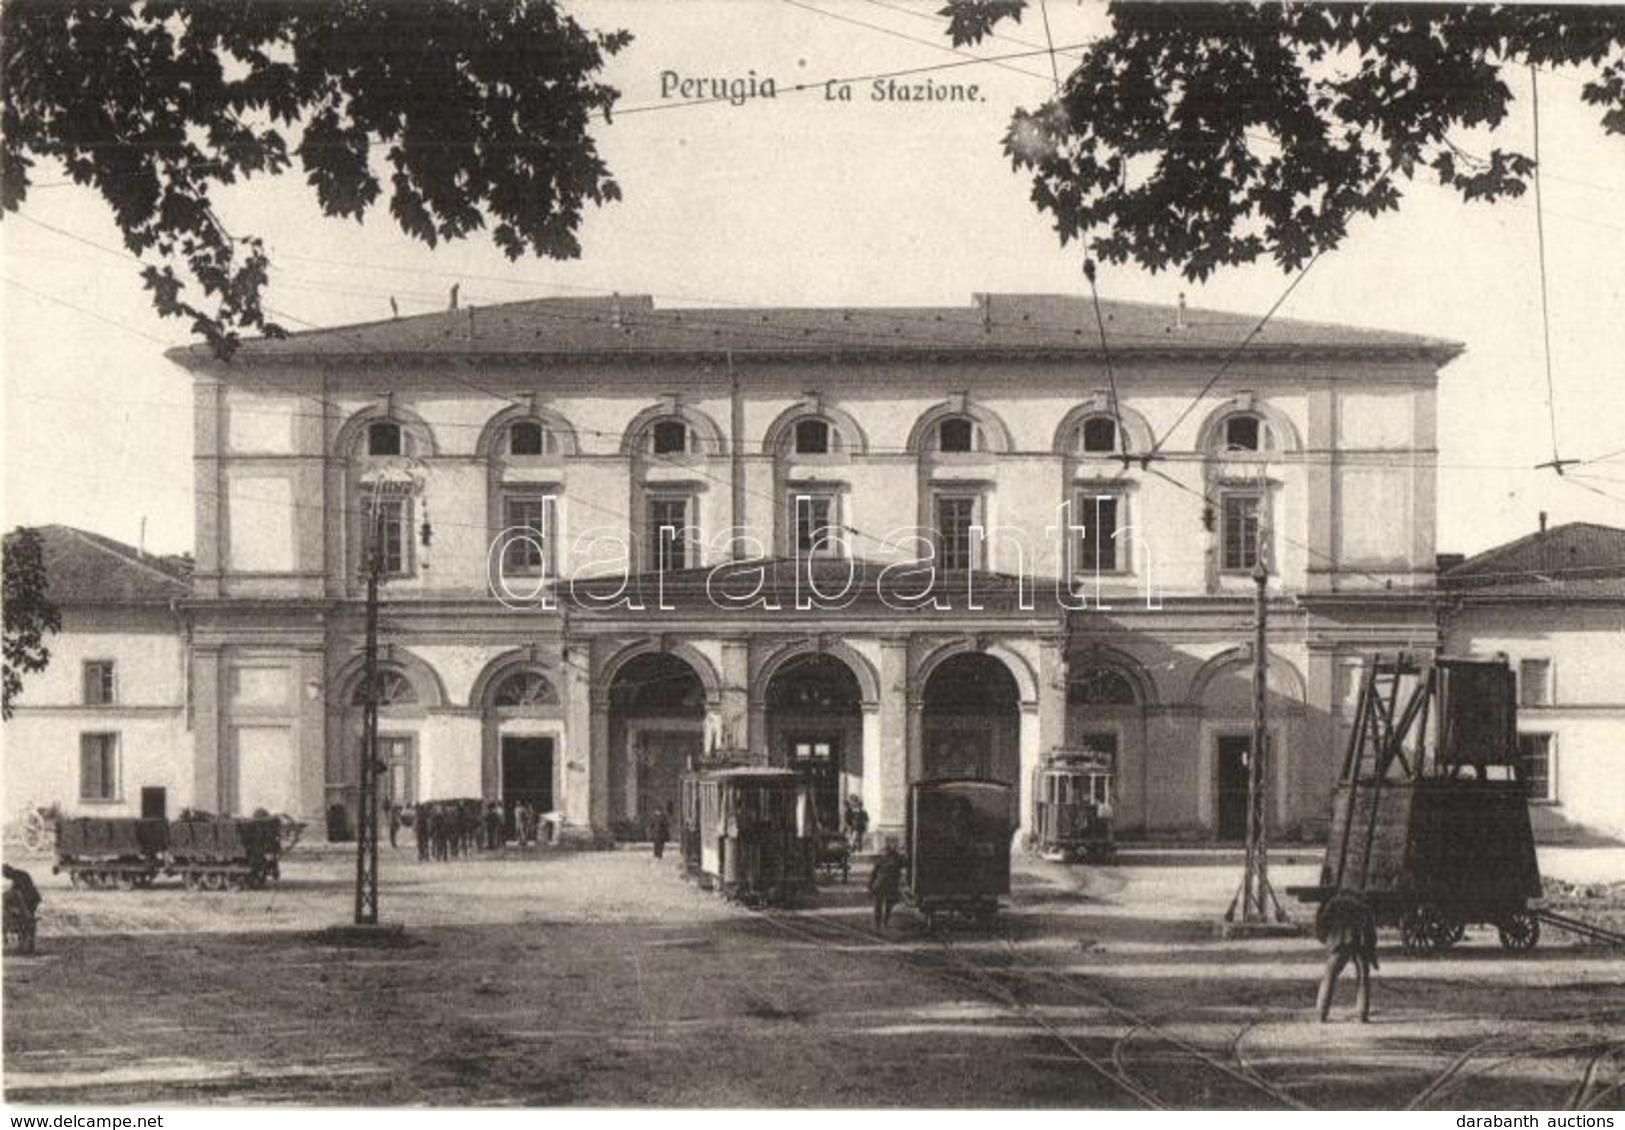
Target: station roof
1577 560
87 568
992 325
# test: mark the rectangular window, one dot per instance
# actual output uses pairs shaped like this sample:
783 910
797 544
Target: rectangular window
1100 544
99 682
389 517
527 534
1535 765
384 438
817 532
400 780
1239 525
98 767
812 437
1535 682
956 547
668 534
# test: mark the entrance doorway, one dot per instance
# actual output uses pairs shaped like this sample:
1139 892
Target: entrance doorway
656 731
971 723
662 756
1231 752
817 761
527 775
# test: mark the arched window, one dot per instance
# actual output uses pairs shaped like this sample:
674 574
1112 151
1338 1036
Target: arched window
669 437
531 437
958 434
1100 686
1098 435
525 688
813 437
394 689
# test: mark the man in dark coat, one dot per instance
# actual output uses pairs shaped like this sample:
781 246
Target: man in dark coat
1349 930
493 826
22 899
886 884
660 831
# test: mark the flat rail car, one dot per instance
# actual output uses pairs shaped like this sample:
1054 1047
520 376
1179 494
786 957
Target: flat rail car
957 836
108 852
208 852
748 833
1430 820
1072 807
222 852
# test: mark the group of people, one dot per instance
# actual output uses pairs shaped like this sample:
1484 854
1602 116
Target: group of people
447 828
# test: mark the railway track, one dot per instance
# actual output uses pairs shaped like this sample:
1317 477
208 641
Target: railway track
1224 1083
1497 1051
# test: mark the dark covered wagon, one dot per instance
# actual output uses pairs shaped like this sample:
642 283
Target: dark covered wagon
1430 821
958 847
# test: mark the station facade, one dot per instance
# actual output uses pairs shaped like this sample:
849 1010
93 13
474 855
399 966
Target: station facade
875 545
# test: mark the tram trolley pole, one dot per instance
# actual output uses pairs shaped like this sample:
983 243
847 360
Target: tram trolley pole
1260 910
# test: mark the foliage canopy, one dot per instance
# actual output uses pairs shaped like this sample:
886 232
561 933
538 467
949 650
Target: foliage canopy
474 110
1202 135
29 613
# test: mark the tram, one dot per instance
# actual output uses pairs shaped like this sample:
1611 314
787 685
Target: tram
958 848
748 833
1072 806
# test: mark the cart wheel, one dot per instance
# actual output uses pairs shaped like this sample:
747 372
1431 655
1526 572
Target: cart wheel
1519 931
73 878
1424 929
189 880
34 831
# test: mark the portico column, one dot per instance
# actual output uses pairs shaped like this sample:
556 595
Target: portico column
733 708
207 755
886 789
1048 722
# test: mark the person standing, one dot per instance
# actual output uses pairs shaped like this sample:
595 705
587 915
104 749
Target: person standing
1349 930
660 830
394 825
493 826
857 821
420 830
886 884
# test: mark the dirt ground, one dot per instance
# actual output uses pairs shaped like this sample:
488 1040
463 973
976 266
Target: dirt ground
602 979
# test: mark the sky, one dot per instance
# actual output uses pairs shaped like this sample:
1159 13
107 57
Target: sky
799 200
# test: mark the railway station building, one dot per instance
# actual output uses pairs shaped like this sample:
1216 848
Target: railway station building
875 545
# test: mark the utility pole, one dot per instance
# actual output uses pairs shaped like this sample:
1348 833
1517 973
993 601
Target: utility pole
366 848
1256 897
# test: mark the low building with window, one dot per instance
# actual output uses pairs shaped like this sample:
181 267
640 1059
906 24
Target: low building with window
1554 604
875 544
103 730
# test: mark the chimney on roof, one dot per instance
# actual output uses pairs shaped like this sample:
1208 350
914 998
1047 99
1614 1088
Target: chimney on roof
1179 312
454 287
141 545
985 302
1543 521
615 309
